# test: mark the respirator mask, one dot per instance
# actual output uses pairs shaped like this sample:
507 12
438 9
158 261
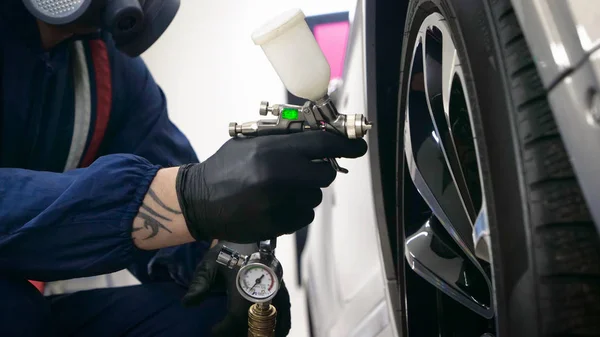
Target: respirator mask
134 24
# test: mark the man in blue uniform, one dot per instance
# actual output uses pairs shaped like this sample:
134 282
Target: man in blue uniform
95 178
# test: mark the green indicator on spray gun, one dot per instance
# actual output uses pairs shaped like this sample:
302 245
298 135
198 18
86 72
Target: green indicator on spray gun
291 114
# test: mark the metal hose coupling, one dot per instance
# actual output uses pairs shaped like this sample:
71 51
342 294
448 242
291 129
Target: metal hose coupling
262 318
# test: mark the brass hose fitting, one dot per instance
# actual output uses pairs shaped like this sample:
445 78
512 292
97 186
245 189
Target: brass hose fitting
262 318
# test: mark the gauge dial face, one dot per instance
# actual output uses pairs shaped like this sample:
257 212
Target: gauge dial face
258 282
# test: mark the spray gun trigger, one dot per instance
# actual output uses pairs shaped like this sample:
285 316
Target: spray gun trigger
336 166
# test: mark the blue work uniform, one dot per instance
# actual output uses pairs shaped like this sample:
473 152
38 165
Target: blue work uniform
74 168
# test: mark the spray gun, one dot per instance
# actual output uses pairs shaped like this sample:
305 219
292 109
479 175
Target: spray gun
290 46
293 51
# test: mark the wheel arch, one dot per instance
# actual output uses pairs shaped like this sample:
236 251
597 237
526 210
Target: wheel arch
384 28
384 22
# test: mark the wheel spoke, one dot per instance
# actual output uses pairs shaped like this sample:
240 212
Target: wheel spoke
441 160
427 162
481 235
450 66
441 206
427 191
429 255
439 58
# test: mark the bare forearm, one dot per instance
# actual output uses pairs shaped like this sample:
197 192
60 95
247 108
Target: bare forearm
159 222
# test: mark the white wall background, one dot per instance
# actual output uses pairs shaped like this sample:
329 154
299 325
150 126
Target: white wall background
213 74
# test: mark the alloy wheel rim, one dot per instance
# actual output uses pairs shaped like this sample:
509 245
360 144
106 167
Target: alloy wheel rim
450 246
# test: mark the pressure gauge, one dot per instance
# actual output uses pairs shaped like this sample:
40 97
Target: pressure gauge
257 282
258 275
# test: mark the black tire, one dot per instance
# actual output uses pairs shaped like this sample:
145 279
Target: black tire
545 246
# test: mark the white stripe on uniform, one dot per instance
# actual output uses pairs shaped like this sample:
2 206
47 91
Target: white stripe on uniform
83 106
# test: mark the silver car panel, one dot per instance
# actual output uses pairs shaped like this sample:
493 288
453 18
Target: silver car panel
576 107
560 33
564 36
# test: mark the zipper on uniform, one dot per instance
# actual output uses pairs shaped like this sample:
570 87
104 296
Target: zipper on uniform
35 113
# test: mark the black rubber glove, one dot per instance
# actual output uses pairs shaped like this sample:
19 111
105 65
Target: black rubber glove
257 188
211 278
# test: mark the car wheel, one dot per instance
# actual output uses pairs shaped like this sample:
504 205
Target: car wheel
496 235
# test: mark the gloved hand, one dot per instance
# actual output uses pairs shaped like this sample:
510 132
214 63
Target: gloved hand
211 278
257 188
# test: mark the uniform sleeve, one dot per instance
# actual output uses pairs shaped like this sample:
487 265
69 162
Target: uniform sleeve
56 226
141 125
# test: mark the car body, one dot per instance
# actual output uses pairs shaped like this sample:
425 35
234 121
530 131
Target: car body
349 257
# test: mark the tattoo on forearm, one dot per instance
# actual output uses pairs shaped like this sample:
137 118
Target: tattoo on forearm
155 197
151 211
153 219
152 224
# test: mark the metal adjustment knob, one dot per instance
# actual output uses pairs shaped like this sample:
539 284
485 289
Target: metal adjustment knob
233 129
362 126
357 126
264 108
230 258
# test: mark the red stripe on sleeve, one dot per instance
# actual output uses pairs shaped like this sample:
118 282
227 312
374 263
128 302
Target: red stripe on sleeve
103 99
